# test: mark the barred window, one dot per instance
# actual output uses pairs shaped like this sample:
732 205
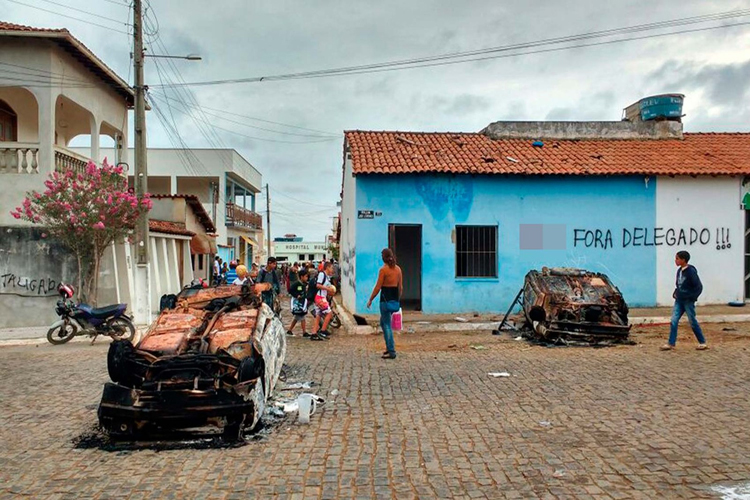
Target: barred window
476 251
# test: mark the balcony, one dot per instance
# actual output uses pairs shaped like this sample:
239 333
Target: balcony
242 217
19 158
67 160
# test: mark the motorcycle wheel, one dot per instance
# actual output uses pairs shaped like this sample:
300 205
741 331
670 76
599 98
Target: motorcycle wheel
123 329
61 334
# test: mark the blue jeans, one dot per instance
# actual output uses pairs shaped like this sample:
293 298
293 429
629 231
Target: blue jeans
385 324
681 307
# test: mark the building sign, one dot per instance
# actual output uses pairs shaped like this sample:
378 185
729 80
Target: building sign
283 247
365 214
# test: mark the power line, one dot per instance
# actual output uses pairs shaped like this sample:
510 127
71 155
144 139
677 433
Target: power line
268 121
220 116
464 57
85 12
312 141
299 200
69 17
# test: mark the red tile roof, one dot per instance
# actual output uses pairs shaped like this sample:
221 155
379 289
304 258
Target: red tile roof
166 227
78 50
475 153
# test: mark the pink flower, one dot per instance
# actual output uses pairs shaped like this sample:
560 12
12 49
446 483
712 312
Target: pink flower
98 225
73 219
15 215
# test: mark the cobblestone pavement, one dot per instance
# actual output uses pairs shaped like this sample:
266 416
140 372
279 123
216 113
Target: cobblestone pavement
624 422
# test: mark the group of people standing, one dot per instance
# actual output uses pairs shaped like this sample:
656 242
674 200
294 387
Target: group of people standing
308 286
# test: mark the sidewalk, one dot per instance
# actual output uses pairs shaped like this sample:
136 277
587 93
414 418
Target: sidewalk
418 322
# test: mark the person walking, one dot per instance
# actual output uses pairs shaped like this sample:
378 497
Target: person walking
298 304
268 274
323 311
390 286
688 288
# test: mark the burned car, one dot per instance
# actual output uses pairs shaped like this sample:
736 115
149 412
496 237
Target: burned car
563 305
212 357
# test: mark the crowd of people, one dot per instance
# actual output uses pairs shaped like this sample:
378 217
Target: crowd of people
308 285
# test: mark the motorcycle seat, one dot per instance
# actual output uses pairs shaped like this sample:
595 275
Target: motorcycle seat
103 312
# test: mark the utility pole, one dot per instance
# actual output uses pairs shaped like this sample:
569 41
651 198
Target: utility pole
142 282
268 220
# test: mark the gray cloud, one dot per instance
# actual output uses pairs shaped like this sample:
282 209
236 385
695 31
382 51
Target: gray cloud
241 38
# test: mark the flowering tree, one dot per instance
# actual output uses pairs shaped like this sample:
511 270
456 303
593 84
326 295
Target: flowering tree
86 213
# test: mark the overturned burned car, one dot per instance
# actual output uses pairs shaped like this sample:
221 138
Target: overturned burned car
213 358
564 305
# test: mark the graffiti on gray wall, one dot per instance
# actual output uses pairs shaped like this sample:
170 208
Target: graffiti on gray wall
23 285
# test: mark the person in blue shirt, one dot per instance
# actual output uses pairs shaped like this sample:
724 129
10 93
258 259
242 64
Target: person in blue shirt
688 288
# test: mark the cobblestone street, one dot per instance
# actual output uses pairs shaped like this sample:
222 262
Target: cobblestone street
621 422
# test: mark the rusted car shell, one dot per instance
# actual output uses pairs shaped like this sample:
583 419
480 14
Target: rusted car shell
574 304
213 359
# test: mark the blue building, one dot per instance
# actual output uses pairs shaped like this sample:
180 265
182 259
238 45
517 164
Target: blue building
469 214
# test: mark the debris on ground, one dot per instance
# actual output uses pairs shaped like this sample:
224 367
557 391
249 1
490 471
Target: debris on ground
461 319
478 347
558 473
545 423
334 392
499 374
298 385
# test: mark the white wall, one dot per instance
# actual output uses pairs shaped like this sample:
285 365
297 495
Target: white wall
348 237
703 203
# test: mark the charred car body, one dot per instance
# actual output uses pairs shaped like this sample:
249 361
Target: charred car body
211 359
563 305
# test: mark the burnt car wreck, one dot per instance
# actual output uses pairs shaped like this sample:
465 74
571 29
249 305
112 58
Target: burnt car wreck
571 306
212 359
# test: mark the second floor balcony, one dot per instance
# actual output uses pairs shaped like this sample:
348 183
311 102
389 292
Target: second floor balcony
236 216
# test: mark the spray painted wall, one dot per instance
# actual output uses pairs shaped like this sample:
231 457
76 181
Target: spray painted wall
708 210
603 224
348 256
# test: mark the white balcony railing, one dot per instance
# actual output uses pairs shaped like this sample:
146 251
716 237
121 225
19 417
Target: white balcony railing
66 159
19 158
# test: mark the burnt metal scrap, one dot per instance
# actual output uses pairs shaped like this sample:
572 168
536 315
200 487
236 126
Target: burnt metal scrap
212 359
565 305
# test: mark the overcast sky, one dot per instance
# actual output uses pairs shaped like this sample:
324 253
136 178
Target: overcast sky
251 38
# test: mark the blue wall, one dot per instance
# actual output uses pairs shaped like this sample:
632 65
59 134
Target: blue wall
440 202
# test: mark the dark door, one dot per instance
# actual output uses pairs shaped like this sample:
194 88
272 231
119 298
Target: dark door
406 242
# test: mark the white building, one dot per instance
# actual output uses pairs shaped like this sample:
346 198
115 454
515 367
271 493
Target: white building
224 182
300 251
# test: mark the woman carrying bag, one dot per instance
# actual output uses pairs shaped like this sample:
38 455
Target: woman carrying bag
390 285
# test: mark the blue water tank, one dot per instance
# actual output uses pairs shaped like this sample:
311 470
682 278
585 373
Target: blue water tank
667 106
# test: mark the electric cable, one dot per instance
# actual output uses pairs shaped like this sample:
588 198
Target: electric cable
68 16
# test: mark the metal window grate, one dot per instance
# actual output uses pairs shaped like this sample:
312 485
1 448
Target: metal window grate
476 251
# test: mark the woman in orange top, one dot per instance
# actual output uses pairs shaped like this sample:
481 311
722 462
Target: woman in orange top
390 285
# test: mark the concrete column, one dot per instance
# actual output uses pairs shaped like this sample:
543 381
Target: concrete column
46 100
95 139
173 185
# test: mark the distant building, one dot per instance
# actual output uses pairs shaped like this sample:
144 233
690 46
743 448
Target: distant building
292 249
469 214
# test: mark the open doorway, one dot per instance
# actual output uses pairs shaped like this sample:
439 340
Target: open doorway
406 242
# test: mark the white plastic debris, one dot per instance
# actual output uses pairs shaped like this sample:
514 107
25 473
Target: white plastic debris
297 385
461 319
308 403
558 473
545 423
478 347
288 406
499 374
519 338
335 392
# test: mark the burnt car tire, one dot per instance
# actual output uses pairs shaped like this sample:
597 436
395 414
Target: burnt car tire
119 352
61 334
123 329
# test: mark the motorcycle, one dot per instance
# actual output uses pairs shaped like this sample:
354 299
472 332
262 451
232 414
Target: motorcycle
83 319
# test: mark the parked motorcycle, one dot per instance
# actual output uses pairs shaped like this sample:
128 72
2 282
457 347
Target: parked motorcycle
83 319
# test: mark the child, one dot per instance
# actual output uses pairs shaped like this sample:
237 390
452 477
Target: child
688 289
298 291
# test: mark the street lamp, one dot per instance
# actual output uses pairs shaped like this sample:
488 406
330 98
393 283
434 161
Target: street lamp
189 57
